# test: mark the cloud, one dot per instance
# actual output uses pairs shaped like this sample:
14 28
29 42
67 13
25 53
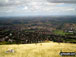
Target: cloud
62 1
6 1
24 6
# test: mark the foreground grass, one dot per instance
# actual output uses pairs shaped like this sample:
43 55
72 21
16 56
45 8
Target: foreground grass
49 49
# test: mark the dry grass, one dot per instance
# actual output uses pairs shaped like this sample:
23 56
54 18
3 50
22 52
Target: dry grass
50 49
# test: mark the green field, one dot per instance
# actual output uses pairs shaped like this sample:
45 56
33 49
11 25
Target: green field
50 49
61 32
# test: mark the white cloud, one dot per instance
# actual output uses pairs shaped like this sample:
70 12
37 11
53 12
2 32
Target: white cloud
23 6
18 2
71 9
6 1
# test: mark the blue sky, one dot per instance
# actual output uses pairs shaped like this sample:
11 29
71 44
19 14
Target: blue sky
37 7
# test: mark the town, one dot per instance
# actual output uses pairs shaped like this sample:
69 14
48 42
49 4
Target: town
26 30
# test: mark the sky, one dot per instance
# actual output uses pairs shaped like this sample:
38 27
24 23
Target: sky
37 7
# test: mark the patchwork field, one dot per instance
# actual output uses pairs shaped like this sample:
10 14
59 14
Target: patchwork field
50 49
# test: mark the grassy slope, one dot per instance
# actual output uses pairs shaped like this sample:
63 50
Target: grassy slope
50 49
